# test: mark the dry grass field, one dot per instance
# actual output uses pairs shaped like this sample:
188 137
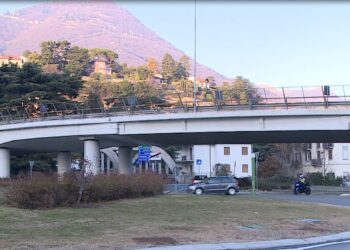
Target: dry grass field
165 220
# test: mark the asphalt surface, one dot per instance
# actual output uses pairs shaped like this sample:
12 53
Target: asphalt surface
327 198
336 197
327 246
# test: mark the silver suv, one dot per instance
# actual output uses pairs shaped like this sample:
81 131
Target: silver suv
218 184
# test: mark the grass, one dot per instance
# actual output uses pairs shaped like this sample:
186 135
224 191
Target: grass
183 218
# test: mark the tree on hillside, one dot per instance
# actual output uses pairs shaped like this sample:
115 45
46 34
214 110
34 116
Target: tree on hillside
185 63
169 66
241 91
152 65
29 84
55 52
77 62
107 53
33 57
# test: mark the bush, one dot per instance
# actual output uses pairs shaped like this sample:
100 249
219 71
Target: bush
37 192
275 182
329 180
5 182
49 191
244 182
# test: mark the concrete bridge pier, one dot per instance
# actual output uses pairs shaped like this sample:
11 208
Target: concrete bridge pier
63 162
92 156
5 163
125 160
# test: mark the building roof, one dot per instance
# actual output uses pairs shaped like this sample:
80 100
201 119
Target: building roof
12 57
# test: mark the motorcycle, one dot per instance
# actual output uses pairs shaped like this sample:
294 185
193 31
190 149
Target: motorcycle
301 188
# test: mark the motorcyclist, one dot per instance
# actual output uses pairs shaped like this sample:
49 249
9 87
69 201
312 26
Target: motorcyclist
302 180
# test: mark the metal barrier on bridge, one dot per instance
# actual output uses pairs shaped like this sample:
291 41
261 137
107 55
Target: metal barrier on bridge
176 101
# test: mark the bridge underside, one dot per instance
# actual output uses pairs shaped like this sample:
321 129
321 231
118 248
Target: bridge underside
76 144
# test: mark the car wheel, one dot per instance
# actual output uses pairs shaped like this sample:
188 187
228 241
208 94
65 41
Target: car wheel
198 191
231 191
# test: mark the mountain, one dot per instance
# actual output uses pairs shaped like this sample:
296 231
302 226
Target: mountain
91 25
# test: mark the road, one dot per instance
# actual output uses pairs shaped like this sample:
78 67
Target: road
317 197
333 199
326 246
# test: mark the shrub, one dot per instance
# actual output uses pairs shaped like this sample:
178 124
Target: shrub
5 182
37 192
114 187
275 182
50 191
244 182
329 180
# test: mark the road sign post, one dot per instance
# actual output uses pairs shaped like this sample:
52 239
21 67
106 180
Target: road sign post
253 175
31 165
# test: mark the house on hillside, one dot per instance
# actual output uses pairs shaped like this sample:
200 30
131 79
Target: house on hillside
159 79
101 65
19 60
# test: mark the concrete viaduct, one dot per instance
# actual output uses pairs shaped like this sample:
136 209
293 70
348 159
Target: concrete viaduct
90 134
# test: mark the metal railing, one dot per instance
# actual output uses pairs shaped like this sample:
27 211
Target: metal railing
176 101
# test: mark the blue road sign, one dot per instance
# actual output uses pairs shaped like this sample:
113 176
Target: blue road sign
199 162
144 153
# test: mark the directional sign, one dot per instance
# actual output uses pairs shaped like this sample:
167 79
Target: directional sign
199 162
144 153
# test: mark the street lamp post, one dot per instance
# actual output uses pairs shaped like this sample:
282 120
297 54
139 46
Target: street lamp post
31 165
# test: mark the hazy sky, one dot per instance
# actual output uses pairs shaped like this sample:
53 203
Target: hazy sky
281 43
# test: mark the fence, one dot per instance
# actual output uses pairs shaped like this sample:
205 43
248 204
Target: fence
177 101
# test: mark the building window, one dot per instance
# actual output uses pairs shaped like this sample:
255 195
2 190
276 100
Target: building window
318 154
288 158
226 150
244 150
245 168
318 145
345 152
307 155
330 154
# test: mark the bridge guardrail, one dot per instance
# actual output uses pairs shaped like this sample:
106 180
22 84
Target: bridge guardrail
176 101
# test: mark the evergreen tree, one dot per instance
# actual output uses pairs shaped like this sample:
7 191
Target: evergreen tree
19 86
77 61
55 52
169 66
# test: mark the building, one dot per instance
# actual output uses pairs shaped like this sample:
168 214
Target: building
102 65
203 159
19 60
327 158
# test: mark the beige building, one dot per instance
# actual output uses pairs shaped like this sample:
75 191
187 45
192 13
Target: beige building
19 60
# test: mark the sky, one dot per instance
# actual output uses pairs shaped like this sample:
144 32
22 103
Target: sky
279 43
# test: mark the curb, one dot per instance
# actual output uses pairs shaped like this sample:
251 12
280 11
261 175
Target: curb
273 244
